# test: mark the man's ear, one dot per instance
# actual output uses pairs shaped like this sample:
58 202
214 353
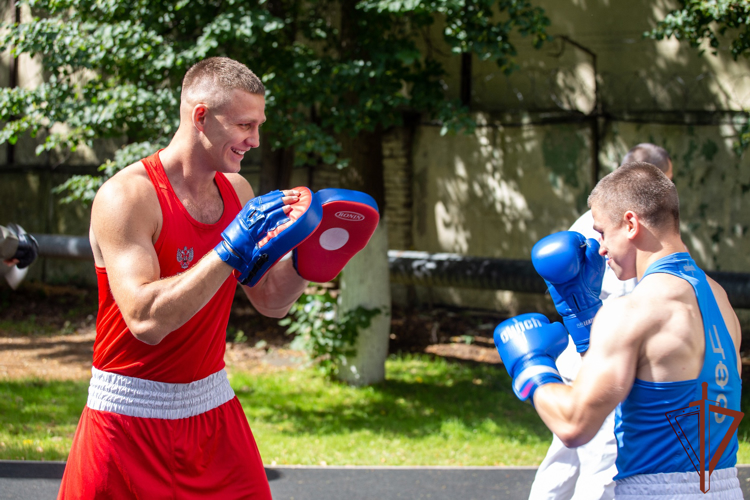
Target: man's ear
632 223
200 112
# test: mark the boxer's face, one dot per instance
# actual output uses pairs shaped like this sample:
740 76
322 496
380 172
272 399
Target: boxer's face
234 129
615 245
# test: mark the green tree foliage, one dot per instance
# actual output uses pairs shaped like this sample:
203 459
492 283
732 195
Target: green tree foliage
700 20
113 67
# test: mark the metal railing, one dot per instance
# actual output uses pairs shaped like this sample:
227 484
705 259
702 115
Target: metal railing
438 269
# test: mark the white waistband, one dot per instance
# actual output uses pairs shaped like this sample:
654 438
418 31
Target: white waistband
137 397
723 485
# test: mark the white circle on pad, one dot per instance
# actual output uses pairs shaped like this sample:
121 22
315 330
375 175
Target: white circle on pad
334 238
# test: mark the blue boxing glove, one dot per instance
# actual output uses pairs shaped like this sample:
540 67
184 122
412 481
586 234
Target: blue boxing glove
529 345
262 233
573 270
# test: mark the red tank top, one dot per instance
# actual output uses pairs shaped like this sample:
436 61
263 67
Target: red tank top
196 349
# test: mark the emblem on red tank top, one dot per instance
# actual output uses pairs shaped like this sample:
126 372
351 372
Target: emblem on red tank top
184 257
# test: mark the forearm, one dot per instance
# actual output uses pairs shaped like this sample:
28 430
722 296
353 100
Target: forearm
160 307
574 421
278 291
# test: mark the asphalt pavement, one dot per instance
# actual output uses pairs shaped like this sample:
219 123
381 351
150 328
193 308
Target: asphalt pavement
41 480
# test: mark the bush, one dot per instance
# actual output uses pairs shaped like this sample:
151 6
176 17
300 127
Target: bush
326 336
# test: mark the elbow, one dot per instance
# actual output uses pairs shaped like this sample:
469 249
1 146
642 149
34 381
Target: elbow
146 332
275 313
574 436
261 304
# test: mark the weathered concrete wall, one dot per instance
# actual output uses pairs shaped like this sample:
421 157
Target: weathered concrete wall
713 183
602 44
600 84
497 192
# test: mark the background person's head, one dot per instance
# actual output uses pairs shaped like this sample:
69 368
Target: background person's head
653 154
633 204
222 106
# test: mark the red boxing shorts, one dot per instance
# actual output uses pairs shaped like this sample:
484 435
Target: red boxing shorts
211 454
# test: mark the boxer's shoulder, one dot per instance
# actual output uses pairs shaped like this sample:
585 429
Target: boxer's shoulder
719 293
627 320
241 186
130 185
660 291
727 312
126 195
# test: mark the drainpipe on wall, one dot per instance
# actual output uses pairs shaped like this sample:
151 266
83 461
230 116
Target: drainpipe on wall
596 113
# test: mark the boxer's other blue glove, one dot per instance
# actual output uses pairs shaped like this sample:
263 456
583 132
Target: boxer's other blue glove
573 270
529 345
262 233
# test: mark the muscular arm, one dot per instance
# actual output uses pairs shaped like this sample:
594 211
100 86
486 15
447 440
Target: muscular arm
124 219
281 286
576 413
730 318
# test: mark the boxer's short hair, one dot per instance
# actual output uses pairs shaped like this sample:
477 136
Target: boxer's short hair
649 153
642 188
211 80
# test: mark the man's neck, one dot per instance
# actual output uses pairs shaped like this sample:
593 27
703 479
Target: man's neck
657 250
187 165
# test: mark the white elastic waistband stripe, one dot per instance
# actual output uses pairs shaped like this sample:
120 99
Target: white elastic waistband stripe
136 397
684 485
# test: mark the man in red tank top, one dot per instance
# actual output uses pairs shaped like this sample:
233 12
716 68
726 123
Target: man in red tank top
161 420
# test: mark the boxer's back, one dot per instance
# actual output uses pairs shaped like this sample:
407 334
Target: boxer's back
674 346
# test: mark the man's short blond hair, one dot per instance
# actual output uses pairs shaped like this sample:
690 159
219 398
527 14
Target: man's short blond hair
641 188
211 81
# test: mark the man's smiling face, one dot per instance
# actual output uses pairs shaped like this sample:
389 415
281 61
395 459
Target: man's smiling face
234 129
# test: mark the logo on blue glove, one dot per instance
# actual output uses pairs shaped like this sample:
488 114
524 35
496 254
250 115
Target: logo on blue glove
517 328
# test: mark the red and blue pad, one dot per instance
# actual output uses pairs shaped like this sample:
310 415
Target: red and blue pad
262 233
349 220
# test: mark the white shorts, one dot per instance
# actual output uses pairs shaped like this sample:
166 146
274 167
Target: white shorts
684 485
582 473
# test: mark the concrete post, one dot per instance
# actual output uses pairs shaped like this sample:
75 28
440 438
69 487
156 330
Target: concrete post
365 282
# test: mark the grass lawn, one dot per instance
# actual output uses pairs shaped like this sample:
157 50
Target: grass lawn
428 412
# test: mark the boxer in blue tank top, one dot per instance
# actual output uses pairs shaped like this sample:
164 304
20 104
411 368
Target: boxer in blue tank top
650 352
646 443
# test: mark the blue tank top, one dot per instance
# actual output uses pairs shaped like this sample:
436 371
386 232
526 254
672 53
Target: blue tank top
646 442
